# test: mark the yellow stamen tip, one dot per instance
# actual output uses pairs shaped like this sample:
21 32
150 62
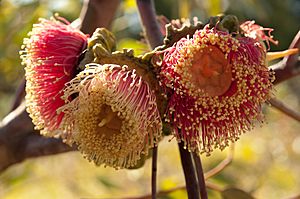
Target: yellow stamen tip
103 122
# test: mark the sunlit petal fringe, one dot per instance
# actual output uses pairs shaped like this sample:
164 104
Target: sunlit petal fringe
217 86
50 56
114 119
257 32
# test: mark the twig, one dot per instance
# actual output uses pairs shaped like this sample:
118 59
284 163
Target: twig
155 38
189 172
149 21
285 109
20 94
213 186
222 165
15 124
18 140
290 65
35 145
291 60
201 180
283 73
154 172
97 13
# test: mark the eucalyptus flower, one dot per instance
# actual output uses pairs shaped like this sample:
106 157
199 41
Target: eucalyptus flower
114 119
50 56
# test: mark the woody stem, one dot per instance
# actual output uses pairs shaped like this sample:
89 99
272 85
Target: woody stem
148 18
189 172
155 38
200 175
154 173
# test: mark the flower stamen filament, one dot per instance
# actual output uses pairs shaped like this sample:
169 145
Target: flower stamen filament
276 55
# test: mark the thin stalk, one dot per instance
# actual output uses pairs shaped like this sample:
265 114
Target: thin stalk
148 17
20 94
200 175
189 173
155 38
154 172
97 13
285 109
289 66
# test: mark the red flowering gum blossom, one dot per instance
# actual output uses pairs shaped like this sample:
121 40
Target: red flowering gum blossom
115 119
257 32
217 84
50 57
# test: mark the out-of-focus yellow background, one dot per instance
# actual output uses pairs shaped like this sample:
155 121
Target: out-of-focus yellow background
266 160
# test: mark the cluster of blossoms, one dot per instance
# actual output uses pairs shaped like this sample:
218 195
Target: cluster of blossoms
108 110
215 84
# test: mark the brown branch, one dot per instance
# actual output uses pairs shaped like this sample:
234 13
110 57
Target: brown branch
35 145
289 66
213 186
97 13
20 94
18 140
284 71
155 38
284 109
29 146
200 176
154 173
189 172
295 44
15 124
149 21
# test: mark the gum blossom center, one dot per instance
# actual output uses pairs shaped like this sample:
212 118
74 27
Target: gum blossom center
210 71
110 122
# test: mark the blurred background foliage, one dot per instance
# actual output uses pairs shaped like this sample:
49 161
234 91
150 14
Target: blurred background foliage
266 161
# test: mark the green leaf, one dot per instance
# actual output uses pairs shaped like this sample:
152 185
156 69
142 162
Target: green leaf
234 193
